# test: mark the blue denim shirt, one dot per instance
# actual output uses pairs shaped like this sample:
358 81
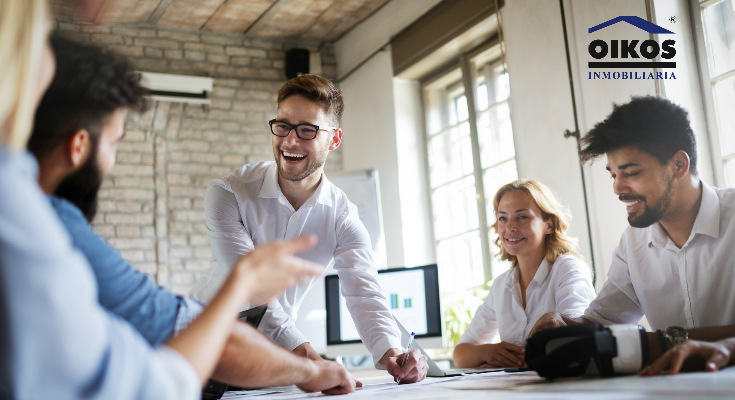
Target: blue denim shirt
153 310
56 341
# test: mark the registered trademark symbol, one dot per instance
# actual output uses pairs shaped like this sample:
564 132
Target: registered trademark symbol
672 19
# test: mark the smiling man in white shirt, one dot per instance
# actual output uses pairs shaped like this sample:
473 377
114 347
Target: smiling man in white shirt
289 197
675 264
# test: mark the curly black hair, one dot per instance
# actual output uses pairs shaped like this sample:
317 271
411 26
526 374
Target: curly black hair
654 125
90 84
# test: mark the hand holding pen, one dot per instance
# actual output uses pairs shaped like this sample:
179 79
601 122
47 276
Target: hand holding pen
405 353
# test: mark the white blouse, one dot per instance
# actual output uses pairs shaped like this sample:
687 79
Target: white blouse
565 287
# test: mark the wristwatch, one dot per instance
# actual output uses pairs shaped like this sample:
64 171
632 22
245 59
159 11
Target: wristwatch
676 335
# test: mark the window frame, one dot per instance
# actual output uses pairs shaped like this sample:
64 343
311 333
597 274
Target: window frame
464 63
707 85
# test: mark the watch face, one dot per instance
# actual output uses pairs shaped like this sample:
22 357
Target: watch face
676 334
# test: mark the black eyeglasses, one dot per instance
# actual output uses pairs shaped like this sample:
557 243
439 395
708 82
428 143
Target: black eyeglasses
303 131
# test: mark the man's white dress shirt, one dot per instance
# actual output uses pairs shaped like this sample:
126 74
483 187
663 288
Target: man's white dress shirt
565 287
692 286
247 208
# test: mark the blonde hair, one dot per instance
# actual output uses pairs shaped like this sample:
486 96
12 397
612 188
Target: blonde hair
555 243
22 37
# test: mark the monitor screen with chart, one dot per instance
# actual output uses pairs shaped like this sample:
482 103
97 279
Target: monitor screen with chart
413 299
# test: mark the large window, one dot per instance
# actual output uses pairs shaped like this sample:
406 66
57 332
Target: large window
470 155
718 26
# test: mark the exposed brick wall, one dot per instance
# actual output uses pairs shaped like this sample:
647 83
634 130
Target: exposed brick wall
151 205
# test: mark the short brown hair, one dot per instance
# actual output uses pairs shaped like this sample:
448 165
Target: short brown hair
317 89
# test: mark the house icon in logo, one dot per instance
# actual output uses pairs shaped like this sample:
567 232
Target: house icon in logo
638 22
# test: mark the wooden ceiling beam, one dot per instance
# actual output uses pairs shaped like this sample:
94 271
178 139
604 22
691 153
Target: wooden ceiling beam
158 12
266 17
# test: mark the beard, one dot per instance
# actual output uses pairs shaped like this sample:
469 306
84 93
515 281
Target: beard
311 166
651 214
82 187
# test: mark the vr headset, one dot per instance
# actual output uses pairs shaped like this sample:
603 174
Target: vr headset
587 349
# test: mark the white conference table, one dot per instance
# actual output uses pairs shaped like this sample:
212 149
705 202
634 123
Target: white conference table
528 385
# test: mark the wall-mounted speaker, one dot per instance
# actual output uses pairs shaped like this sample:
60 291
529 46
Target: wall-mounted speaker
297 62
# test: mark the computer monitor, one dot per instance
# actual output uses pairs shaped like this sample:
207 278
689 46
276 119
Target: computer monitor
413 298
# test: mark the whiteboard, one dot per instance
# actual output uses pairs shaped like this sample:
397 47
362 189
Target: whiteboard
363 190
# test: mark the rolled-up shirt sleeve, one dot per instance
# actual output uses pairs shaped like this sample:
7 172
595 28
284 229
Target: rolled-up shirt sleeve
187 312
484 325
574 291
368 306
617 302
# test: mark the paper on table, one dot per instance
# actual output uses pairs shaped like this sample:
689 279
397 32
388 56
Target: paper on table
505 381
247 393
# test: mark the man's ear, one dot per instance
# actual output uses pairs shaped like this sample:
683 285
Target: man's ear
336 139
680 161
78 147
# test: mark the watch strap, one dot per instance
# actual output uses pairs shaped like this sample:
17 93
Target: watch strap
663 341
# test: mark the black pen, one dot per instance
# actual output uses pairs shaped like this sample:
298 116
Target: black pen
516 369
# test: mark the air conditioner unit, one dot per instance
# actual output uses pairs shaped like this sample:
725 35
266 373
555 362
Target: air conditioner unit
178 88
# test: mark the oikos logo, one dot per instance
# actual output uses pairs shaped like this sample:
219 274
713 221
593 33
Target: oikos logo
644 52
649 49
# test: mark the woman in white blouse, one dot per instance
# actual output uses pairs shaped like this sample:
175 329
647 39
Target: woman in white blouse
547 275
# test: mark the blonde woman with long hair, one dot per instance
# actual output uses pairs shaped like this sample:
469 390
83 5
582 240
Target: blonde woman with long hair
27 67
56 340
547 274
